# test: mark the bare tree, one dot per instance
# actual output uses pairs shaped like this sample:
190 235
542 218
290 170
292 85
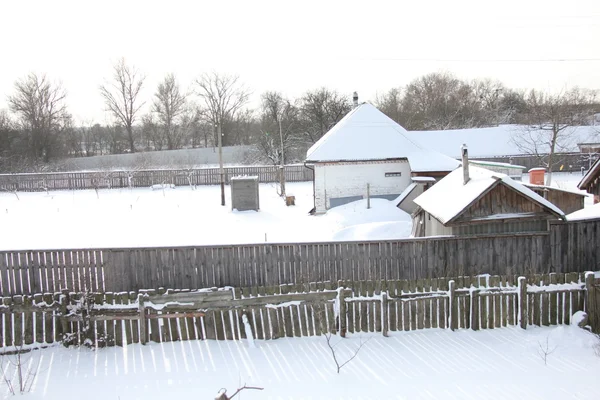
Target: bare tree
279 125
121 96
169 103
390 103
25 368
433 101
41 107
339 363
152 137
9 136
222 394
223 97
552 120
545 350
320 110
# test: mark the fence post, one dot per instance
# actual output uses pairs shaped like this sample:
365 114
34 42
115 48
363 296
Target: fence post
384 314
342 311
453 306
63 301
590 300
522 302
475 309
142 316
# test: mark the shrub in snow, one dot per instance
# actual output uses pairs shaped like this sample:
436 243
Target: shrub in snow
25 370
580 318
222 394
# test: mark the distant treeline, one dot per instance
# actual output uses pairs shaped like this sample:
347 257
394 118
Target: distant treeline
38 128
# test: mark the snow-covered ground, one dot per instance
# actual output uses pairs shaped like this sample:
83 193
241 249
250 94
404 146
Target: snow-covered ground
182 216
429 364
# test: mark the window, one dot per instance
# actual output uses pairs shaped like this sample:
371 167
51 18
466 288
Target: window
392 174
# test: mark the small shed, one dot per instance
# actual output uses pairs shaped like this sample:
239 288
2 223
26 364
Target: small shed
406 200
473 200
567 200
591 181
244 193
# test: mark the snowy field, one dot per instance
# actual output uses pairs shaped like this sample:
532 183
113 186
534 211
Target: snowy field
182 217
429 364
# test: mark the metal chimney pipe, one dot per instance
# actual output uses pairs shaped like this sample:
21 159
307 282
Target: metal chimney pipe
465 163
355 99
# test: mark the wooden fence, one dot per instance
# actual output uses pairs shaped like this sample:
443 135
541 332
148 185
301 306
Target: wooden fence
480 302
568 247
32 182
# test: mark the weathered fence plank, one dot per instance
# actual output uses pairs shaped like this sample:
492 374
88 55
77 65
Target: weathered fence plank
117 270
30 182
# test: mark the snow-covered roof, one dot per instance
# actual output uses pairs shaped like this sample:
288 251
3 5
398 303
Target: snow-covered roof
367 134
590 212
448 198
499 140
589 177
553 188
405 194
422 179
497 164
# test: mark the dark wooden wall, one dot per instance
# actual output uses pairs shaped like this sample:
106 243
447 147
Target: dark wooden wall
568 247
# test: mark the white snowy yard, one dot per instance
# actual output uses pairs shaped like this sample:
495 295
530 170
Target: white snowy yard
430 364
182 216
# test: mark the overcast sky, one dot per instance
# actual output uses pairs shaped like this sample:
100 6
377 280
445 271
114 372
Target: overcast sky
367 46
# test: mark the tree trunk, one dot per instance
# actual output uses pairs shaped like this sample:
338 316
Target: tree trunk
130 138
551 156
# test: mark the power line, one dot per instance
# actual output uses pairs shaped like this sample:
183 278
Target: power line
485 60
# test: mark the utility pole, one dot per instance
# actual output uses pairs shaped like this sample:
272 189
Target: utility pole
221 171
281 162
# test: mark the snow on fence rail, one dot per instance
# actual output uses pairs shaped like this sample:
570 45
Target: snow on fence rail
569 247
32 182
479 302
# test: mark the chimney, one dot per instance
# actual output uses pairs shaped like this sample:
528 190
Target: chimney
355 99
465 163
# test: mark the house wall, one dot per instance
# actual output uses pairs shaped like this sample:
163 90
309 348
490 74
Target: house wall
567 202
433 227
501 200
346 182
494 228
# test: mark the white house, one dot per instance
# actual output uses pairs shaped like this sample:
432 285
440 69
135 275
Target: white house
368 154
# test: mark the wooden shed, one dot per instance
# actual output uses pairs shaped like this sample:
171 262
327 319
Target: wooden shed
567 200
244 193
591 181
476 201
